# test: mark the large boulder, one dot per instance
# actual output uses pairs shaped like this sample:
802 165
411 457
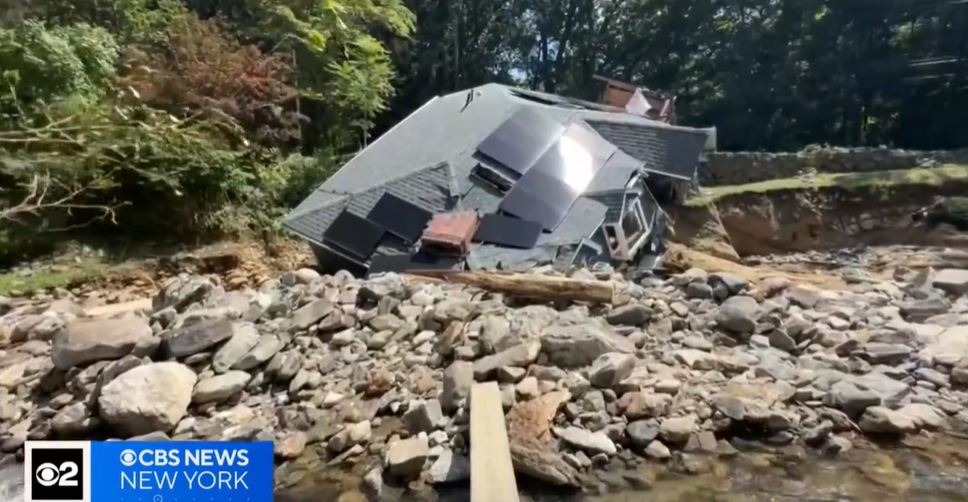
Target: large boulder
579 345
610 369
184 290
220 387
149 398
949 347
195 338
88 340
405 458
245 339
310 314
520 355
458 379
591 442
738 315
952 280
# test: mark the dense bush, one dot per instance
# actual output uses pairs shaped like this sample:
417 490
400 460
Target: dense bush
141 119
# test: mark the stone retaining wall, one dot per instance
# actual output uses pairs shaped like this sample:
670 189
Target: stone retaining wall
736 168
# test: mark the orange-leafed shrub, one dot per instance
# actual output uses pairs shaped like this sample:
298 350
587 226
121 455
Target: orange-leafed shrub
202 68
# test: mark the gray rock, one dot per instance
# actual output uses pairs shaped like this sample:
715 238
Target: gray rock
697 359
220 387
528 388
510 374
579 345
658 451
850 398
386 322
423 416
301 276
780 340
545 465
952 281
390 284
182 291
959 376
198 337
610 369
449 468
352 435
730 406
496 334
149 398
245 338
458 379
264 349
733 283
699 290
921 310
405 458
678 429
373 481
591 442
73 419
738 315
642 432
803 296
885 353
949 347
310 314
931 375
89 340
634 314
882 420
519 355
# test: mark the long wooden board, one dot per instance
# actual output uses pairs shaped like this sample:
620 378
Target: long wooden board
492 475
529 285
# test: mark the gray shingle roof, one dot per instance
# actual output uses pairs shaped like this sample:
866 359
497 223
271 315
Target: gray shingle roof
665 150
431 188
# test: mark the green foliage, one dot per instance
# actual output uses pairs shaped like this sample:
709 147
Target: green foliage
47 64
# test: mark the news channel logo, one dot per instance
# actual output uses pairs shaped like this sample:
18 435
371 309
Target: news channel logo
142 471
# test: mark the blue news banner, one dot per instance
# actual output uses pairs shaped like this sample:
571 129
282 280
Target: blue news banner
136 471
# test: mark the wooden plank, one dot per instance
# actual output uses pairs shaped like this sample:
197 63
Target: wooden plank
529 285
143 304
492 475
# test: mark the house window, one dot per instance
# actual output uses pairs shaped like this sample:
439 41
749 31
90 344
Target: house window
626 237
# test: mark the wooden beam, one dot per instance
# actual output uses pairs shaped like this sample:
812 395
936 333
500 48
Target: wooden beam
543 287
492 475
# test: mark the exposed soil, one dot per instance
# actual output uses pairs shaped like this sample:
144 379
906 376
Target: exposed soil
785 221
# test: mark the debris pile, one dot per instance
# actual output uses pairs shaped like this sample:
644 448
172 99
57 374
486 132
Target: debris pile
378 372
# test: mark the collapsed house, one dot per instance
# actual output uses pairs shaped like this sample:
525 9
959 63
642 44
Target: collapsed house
502 178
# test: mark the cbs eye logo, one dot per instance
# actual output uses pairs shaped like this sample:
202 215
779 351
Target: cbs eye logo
48 474
55 473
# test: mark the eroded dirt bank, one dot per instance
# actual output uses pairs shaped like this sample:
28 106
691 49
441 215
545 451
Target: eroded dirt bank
784 221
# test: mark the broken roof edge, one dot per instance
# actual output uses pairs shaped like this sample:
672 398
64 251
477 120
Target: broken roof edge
357 154
343 196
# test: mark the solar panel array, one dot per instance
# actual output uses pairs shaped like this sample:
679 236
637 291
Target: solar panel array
551 186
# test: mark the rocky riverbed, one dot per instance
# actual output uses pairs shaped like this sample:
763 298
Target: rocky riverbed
685 374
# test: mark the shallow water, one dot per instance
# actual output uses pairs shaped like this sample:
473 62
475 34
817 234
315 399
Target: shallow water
922 469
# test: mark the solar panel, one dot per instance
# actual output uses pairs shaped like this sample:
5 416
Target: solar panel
353 234
521 139
420 261
400 217
547 191
538 197
507 231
